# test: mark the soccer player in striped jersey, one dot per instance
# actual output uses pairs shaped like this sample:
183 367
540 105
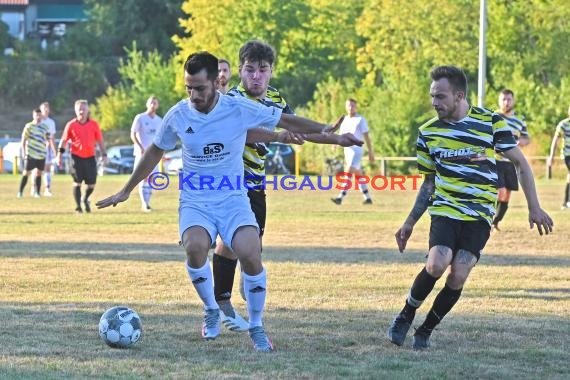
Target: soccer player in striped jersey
506 171
35 140
563 131
256 67
455 152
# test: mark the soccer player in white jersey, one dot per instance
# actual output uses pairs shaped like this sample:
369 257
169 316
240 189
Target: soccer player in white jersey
213 129
144 128
50 154
356 124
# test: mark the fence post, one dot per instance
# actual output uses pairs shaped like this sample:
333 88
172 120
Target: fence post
383 167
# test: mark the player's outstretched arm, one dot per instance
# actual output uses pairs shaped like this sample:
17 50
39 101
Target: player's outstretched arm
263 135
299 124
536 215
148 162
346 139
420 206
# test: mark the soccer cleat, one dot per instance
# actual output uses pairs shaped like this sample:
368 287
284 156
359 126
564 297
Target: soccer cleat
495 228
565 206
146 207
20 194
398 329
337 201
78 210
47 193
421 338
367 202
36 195
211 325
87 205
261 342
232 320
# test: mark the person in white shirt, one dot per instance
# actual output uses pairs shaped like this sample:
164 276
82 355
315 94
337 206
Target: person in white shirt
356 124
50 153
144 128
213 200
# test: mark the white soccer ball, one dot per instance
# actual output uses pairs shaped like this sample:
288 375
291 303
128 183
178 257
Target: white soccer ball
120 327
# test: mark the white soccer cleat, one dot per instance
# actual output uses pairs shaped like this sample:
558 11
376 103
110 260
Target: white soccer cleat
236 323
211 325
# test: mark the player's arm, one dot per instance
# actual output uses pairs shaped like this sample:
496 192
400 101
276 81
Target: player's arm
420 206
262 135
135 135
24 143
369 146
62 144
299 124
346 139
553 147
536 215
148 162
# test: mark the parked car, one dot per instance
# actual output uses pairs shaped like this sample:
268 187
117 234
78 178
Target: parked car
10 151
172 161
280 159
121 160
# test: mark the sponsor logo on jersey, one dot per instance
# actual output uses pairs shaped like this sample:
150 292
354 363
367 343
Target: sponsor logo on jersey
464 154
213 148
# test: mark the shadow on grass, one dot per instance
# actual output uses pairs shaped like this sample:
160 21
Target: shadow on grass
171 252
310 343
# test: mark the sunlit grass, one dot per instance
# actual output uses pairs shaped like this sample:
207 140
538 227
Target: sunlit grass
335 282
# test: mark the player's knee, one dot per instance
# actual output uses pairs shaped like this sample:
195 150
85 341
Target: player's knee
436 269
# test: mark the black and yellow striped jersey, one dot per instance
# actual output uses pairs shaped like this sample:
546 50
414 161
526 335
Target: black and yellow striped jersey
518 128
37 136
461 155
254 154
563 129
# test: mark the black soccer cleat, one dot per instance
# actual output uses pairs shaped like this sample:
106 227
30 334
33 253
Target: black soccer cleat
398 329
367 202
421 338
337 201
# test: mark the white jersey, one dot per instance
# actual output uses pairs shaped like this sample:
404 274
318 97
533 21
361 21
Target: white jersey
51 126
356 125
213 144
146 127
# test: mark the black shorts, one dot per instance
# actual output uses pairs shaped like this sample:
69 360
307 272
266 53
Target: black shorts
259 208
567 161
507 174
34 163
84 169
459 234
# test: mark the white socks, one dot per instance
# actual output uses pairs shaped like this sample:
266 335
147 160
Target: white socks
255 291
202 280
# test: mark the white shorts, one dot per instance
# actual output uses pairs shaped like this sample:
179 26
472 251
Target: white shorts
222 218
353 157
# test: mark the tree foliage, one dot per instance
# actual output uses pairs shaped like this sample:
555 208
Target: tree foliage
142 75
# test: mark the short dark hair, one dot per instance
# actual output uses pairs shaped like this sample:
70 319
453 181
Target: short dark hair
37 110
352 100
506 91
256 51
453 74
201 60
221 60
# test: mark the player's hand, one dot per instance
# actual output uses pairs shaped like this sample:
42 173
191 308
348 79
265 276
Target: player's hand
402 236
542 220
336 125
287 137
371 157
113 200
348 139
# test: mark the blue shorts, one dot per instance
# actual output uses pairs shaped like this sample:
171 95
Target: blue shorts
223 218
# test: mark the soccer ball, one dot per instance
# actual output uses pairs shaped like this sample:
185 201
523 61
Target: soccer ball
120 327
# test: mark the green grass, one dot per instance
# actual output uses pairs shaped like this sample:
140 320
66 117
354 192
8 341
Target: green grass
335 282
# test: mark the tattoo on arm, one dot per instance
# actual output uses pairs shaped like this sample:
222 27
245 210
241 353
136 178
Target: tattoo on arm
422 200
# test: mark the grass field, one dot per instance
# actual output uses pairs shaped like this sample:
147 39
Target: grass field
335 283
